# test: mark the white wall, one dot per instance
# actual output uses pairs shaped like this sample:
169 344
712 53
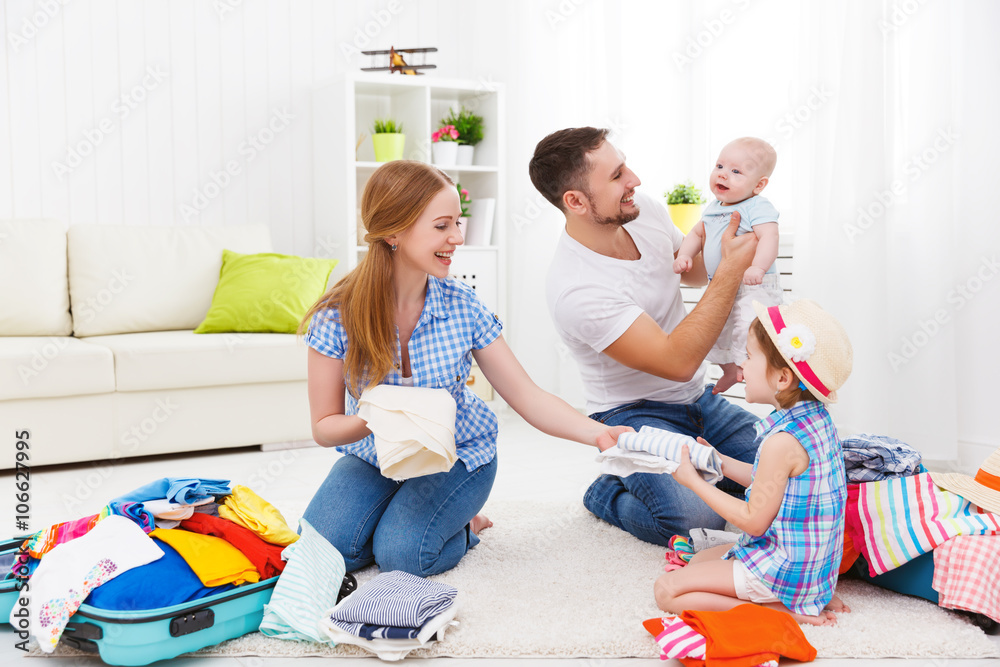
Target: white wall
230 68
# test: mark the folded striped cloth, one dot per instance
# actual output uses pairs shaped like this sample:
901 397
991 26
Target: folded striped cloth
393 599
658 451
899 519
308 586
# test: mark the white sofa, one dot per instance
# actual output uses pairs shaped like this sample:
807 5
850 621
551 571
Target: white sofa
97 355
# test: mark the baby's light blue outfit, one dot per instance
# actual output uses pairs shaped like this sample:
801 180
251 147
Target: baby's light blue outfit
753 211
732 343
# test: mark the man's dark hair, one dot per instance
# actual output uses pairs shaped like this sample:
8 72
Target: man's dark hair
560 162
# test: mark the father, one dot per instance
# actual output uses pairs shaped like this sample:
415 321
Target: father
617 304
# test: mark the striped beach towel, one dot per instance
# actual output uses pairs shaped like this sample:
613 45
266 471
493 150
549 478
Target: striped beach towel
905 517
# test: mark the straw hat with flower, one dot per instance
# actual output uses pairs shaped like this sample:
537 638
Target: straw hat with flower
813 343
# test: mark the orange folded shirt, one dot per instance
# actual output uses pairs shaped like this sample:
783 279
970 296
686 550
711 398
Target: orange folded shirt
850 554
747 635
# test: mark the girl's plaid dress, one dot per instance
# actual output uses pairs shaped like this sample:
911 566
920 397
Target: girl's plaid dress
797 558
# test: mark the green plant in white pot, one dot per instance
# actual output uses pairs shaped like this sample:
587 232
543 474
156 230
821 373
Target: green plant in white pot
388 140
470 132
684 203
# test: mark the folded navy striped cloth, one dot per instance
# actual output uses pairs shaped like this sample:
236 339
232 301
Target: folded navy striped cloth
394 600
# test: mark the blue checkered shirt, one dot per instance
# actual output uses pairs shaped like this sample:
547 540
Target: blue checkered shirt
453 323
870 458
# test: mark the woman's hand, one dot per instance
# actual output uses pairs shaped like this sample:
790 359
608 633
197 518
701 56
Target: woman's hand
608 438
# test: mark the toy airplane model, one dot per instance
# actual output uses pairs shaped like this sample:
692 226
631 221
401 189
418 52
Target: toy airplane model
396 61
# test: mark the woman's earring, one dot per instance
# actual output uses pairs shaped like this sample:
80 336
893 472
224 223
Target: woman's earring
393 247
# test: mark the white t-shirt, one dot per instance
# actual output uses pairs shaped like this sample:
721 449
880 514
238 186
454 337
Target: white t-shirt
594 299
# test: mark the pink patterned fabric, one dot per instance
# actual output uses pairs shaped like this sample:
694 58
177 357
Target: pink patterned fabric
678 640
967 574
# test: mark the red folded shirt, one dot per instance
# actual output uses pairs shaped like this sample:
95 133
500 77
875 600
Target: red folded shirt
265 557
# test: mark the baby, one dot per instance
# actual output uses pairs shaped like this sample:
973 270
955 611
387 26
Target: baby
740 174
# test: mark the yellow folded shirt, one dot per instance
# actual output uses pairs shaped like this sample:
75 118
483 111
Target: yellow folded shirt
214 561
245 508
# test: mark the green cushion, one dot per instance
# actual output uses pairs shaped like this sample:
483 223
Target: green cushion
265 293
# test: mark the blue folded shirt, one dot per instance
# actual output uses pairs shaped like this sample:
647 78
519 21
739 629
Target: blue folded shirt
183 490
162 583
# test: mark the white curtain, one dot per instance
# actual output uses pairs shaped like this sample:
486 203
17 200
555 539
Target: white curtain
888 225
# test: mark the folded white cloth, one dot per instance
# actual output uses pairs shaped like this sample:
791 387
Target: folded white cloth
653 450
71 570
170 515
414 429
622 462
393 649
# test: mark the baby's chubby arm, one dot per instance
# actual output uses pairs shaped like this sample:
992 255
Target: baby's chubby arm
767 252
690 246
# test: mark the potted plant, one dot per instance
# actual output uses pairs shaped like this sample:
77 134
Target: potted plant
445 145
387 139
470 132
684 203
463 202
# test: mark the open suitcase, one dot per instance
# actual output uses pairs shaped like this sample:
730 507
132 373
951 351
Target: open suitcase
8 587
142 637
145 636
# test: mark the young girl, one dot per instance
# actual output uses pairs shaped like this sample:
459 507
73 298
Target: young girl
399 319
793 516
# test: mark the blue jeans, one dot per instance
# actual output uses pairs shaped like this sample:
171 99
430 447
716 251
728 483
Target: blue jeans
654 507
420 525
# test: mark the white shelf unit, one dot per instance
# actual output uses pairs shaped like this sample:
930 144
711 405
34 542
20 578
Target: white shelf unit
346 107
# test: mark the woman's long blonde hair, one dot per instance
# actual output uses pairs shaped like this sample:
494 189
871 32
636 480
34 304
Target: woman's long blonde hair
394 198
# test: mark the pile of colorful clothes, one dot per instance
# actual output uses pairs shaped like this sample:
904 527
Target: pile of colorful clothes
899 512
168 542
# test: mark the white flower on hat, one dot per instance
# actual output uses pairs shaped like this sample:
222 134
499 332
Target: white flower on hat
797 342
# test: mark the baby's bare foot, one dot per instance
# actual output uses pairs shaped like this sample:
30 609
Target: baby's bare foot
728 378
824 618
837 605
480 522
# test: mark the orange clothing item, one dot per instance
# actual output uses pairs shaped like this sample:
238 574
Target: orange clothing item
747 635
850 554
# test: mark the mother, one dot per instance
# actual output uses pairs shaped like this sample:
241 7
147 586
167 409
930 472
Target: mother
398 319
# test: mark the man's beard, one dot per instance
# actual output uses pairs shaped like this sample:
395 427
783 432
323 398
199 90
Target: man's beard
619 220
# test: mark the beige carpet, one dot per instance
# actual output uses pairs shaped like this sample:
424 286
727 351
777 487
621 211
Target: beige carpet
553 581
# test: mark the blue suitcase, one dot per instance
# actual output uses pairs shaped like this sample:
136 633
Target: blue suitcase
142 637
8 587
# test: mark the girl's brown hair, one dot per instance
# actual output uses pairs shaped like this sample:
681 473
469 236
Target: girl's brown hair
788 397
394 198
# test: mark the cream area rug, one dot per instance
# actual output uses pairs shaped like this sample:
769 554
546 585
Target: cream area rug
554 581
